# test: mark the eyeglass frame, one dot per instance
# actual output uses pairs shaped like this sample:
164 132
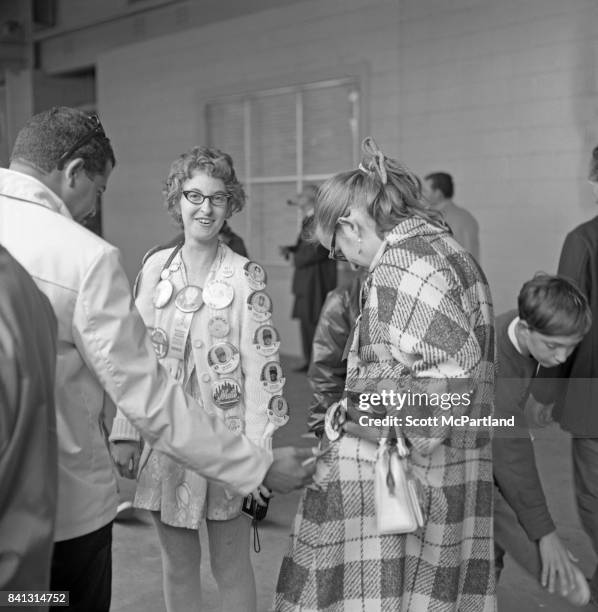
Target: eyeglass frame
332 252
207 197
97 129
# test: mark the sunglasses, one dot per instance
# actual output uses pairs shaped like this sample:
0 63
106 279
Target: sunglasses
96 129
334 253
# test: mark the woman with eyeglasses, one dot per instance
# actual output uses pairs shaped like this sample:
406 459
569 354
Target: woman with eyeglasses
425 333
196 300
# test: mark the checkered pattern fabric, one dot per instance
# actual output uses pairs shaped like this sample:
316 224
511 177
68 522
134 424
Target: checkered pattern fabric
427 314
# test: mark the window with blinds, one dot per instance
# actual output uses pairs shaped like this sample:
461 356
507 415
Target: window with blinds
281 140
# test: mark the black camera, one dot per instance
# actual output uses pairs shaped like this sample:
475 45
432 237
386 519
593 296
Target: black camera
253 510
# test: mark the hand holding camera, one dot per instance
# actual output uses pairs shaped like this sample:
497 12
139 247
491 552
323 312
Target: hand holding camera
255 505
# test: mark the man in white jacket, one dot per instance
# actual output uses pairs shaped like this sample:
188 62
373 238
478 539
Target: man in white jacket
59 167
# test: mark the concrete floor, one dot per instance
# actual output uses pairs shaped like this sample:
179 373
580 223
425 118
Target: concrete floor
137 566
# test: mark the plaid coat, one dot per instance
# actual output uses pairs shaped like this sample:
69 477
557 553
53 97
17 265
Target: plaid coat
426 325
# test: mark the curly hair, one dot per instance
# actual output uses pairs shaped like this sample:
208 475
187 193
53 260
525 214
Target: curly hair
214 163
46 136
388 190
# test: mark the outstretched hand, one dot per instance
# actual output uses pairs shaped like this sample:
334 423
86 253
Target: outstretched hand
126 456
290 469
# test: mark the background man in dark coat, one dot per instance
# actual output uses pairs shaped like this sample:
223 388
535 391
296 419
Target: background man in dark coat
314 277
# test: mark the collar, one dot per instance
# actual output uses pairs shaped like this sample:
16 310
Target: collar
513 336
19 186
404 230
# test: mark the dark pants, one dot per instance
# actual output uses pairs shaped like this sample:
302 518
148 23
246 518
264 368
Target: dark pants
83 566
510 537
585 476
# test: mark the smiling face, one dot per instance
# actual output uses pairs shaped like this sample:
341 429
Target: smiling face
203 222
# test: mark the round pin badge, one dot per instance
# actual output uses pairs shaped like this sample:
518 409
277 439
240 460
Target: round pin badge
278 411
332 427
175 266
227 271
162 293
159 341
218 327
266 340
223 358
272 377
256 275
189 299
260 304
226 393
165 274
218 294
235 424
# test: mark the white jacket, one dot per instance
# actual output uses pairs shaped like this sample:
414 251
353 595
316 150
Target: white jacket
103 348
228 267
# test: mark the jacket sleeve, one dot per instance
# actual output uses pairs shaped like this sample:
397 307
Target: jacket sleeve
328 369
122 429
252 363
112 339
514 466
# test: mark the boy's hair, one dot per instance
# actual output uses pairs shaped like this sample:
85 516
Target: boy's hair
50 134
553 306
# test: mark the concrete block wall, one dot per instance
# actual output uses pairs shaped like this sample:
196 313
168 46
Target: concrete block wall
500 94
503 96
151 98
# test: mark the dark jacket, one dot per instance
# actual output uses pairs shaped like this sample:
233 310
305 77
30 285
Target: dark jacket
575 383
328 367
514 465
314 276
28 450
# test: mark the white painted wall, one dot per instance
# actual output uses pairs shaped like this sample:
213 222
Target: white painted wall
503 96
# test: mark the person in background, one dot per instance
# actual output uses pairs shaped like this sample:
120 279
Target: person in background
221 349
60 165
425 323
314 275
28 455
440 192
573 386
552 318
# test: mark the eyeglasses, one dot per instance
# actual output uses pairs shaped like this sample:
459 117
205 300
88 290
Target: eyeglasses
95 130
333 253
197 198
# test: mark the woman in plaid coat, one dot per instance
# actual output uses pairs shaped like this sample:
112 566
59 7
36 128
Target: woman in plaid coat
426 326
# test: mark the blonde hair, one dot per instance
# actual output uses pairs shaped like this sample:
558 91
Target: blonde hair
387 189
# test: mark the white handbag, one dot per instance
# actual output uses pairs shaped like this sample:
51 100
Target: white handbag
398 509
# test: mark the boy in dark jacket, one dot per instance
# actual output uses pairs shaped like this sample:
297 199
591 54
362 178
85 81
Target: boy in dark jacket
553 318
